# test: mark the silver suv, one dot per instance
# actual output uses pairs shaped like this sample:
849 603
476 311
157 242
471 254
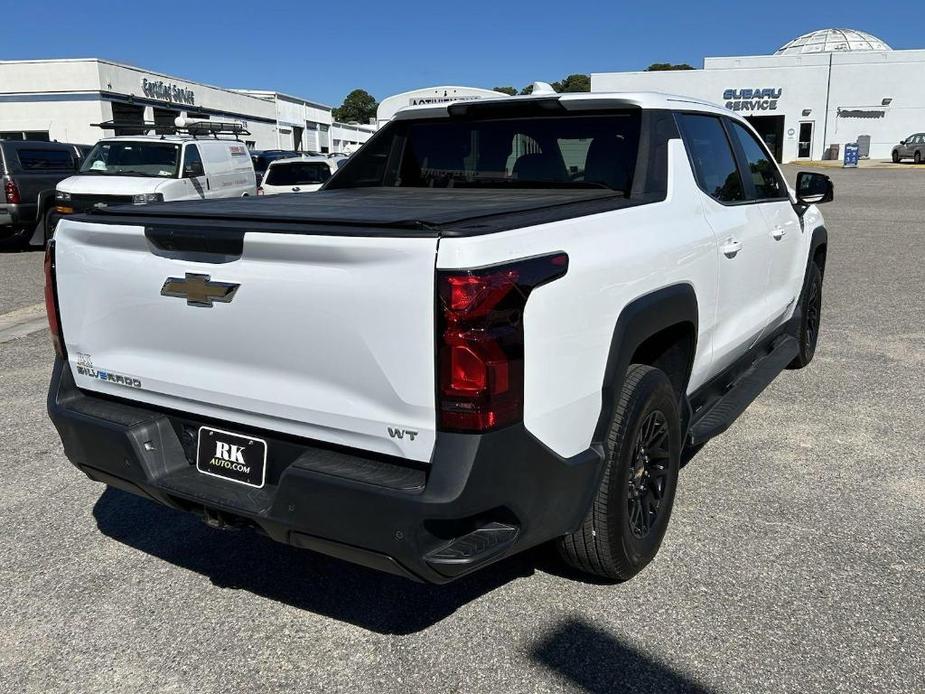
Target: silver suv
913 147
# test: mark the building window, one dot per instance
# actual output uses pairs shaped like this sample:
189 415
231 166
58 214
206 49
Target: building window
130 117
34 135
164 121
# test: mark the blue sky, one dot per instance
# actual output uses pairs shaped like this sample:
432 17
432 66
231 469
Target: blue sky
322 50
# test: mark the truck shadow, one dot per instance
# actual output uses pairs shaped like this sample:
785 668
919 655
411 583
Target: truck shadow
244 560
595 661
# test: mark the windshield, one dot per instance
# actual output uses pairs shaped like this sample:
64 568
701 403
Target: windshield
154 159
540 151
298 173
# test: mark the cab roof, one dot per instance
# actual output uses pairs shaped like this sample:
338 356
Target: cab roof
574 101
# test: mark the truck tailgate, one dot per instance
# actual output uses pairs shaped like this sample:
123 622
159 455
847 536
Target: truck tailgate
324 337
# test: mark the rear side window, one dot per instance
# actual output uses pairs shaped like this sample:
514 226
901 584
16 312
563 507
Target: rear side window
298 173
762 171
46 160
712 157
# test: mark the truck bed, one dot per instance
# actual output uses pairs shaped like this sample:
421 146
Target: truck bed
394 211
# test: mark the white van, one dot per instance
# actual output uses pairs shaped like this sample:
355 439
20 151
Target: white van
139 169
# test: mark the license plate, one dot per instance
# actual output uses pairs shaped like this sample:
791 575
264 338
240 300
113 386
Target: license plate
237 458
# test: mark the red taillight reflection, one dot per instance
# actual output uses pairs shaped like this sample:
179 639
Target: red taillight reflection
12 192
480 351
51 302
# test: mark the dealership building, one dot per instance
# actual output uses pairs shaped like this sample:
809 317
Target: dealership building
62 99
825 88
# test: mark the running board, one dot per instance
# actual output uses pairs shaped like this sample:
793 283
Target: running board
749 385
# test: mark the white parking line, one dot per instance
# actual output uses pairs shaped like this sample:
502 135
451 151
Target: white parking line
21 322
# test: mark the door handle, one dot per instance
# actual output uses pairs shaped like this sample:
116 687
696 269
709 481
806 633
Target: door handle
731 248
778 233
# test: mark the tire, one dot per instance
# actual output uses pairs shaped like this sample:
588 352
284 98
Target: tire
622 532
895 157
810 318
917 158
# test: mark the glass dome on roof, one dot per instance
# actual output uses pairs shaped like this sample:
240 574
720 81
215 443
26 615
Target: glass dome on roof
833 41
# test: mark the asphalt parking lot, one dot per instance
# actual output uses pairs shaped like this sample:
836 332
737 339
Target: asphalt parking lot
794 560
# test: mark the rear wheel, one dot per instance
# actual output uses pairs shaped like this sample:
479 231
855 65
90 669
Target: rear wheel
917 158
628 518
810 318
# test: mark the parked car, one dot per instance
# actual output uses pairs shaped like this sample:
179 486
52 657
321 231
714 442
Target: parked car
913 147
30 170
262 158
488 331
141 169
296 175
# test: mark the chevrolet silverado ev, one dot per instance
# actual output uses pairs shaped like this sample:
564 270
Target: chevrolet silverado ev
501 323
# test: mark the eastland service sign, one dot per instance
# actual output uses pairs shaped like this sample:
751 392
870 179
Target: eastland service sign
166 91
752 99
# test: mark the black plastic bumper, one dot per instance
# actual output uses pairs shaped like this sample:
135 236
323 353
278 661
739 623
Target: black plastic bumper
483 497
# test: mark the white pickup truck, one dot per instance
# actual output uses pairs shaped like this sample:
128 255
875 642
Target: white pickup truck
501 323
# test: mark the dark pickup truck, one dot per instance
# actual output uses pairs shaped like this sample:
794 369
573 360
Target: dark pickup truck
30 170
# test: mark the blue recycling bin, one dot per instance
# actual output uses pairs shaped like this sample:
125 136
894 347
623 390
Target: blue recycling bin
851 156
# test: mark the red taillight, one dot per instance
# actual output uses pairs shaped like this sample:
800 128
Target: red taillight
51 302
481 341
12 192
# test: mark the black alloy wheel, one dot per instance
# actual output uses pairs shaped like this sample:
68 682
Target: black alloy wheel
810 319
647 478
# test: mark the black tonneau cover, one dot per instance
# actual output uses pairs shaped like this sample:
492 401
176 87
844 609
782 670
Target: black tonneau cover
395 211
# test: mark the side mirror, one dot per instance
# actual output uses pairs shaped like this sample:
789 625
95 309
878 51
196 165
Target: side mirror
902 142
193 169
814 189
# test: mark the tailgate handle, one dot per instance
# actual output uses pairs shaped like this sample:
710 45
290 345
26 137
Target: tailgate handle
215 245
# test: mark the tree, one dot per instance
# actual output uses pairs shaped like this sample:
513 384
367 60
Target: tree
511 91
662 67
527 90
573 83
359 105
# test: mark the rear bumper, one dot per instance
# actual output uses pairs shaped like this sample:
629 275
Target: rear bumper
481 498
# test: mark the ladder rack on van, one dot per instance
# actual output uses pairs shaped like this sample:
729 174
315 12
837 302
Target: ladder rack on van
194 128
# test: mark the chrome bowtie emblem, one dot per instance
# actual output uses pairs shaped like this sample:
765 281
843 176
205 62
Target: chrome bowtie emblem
199 290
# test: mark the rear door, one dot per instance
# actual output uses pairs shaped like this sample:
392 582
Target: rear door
330 338
740 229
765 186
